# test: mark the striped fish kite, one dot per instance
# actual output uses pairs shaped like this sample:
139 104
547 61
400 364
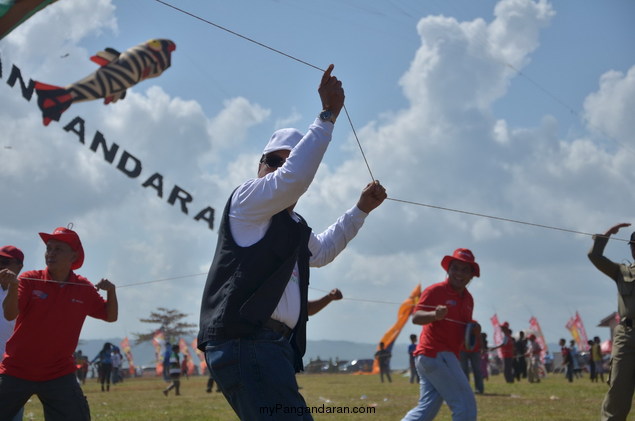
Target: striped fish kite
118 72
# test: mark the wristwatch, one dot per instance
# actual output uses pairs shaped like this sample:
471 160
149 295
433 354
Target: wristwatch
327 115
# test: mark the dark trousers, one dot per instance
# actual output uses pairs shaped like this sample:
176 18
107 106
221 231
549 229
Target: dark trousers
176 384
104 375
569 371
62 398
473 359
508 369
384 370
520 368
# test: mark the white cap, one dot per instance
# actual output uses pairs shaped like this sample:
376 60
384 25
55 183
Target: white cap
283 139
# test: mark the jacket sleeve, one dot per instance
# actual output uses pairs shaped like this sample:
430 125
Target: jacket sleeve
596 256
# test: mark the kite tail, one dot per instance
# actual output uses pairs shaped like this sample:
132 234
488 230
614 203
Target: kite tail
53 101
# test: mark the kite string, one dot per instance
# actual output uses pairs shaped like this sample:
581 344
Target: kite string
350 122
275 51
357 138
499 218
237 34
118 286
391 303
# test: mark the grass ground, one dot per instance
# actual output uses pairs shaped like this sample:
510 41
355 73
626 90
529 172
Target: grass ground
141 400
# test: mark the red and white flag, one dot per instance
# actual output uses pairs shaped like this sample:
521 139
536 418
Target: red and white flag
578 332
498 334
534 327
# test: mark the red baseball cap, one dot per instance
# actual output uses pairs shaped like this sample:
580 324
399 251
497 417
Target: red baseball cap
464 255
505 325
69 237
12 252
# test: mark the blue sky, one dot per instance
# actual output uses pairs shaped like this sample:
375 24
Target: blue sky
436 98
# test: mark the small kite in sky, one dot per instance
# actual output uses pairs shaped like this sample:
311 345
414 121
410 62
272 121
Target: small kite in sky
118 72
14 12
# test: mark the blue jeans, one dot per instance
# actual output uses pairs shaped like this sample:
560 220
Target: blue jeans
442 379
257 377
473 359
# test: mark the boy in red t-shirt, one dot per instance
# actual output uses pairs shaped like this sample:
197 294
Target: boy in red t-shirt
51 306
444 310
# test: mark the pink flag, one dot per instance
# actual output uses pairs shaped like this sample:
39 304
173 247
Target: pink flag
534 326
498 334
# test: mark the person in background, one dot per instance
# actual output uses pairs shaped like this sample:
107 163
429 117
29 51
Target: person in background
82 368
484 357
520 364
184 367
45 314
592 371
166 362
314 306
411 358
174 370
533 357
507 349
81 374
596 356
567 361
472 359
383 359
104 366
117 361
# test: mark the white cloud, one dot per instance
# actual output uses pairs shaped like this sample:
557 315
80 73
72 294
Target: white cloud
230 128
609 110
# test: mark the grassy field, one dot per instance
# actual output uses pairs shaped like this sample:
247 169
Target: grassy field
141 400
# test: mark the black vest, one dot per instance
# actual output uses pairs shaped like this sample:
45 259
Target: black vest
244 284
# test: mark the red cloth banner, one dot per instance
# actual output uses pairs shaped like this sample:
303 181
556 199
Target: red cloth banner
578 332
201 357
158 341
186 351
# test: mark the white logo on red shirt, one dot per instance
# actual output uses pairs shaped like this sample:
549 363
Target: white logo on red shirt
40 294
